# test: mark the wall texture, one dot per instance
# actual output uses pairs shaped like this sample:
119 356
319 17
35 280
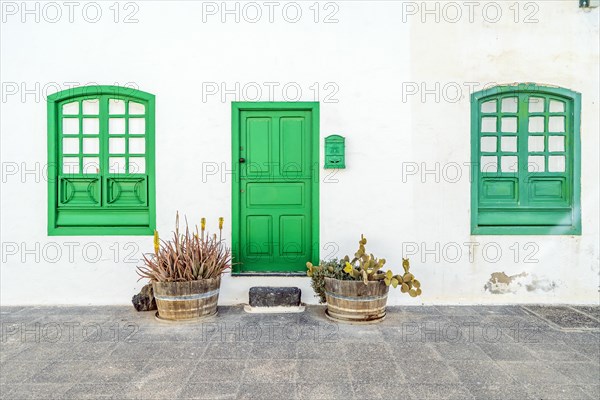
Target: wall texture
393 78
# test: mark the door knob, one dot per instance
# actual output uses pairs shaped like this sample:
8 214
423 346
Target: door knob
242 160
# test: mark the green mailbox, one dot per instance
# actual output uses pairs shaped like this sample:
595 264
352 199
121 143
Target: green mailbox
335 153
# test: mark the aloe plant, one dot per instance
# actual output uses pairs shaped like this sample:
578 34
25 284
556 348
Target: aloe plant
365 267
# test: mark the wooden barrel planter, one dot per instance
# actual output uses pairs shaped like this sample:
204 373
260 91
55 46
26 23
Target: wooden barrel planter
179 301
353 301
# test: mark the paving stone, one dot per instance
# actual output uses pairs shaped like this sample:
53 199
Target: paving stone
440 392
565 317
557 392
114 371
592 390
507 352
275 350
62 372
381 390
329 371
592 311
163 371
580 373
501 310
371 350
460 351
429 372
555 352
38 391
209 391
320 351
458 311
414 351
13 373
534 373
228 350
375 371
480 373
218 370
273 390
271 371
85 391
499 392
321 391
153 390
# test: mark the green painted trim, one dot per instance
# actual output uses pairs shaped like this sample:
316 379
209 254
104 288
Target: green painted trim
54 167
236 109
567 94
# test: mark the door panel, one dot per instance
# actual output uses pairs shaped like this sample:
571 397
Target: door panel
275 190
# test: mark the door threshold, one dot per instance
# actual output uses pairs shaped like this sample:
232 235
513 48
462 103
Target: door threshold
290 274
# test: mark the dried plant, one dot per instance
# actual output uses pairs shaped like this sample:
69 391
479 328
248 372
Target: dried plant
187 256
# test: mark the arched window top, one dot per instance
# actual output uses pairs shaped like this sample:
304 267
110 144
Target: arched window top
99 90
532 88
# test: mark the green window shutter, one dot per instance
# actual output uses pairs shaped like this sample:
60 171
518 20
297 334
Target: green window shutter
525 150
101 148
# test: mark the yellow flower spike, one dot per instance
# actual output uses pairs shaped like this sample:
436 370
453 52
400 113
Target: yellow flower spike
221 220
203 224
156 242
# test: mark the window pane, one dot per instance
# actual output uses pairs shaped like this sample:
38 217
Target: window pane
509 143
136 108
509 124
556 143
536 143
536 124
557 106
70 126
70 165
488 107
71 108
116 165
91 107
535 164
137 146
70 146
556 124
116 106
536 104
116 126
509 104
91 145
137 165
509 163
91 165
556 164
91 126
137 126
488 124
489 164
116 145
489 144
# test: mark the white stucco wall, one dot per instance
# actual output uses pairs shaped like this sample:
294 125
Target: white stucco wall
364 69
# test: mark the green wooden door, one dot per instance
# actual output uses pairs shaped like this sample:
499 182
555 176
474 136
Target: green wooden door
276 196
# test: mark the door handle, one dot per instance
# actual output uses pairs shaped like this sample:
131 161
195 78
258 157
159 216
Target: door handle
242 160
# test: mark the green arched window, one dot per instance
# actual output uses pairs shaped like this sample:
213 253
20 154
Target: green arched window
101 150
525 150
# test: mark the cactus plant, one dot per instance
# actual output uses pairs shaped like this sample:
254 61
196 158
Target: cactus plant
362 267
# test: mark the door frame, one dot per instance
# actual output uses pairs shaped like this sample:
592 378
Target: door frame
236 109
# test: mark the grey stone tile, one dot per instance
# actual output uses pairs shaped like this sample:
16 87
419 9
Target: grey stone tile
264 390
44 351
507 352
228 350
111 371
480 373
414 351
440 391
565 317
370 350
274 350
430 372
581 373
271 371
375 371
13 373
149 389
592 311
62 371
499 392
590 350
328 371
381 390
210 391
501 310
417 310
592 390
133 351
534 373
90 351
218 371
458 310
324 390
555 352
37 391
557 392
85 391
460 351
161 371
320 351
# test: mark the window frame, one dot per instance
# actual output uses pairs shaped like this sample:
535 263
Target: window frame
480 97
55 167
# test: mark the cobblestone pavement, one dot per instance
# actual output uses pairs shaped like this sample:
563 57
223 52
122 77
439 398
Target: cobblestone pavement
487 352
